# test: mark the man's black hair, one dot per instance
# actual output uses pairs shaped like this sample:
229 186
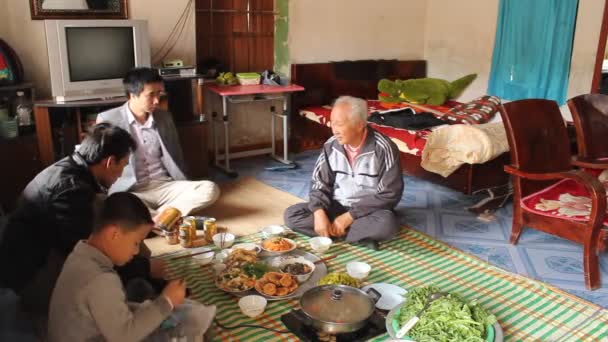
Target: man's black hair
106 140
136 78
123 209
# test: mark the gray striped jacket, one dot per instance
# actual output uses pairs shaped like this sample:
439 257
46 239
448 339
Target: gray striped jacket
374 182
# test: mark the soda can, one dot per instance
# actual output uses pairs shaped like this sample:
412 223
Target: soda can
187 234
168 219
210 229
198 222
171 237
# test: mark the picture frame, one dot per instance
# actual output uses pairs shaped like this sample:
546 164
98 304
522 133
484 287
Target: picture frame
78 9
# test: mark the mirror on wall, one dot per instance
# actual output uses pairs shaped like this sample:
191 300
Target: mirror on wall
78 9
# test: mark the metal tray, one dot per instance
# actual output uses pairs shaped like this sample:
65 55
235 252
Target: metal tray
319 272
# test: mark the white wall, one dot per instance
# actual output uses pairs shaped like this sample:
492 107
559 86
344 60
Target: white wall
460 40
321 30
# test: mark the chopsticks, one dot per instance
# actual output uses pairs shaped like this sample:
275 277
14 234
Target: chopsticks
190 255
325 259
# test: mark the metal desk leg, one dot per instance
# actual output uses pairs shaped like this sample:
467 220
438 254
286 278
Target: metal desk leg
214 135
226 155
283 116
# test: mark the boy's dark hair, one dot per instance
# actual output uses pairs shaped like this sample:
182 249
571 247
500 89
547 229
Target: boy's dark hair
106 140
123 209
136 78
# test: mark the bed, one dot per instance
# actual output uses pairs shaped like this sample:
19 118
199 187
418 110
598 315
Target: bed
326 81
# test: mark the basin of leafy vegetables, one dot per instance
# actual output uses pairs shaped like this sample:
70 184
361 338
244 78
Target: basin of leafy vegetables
450 318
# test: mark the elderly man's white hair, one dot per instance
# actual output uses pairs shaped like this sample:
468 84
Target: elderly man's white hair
358 107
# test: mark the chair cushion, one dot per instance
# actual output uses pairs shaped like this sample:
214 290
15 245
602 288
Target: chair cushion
565 199
478 111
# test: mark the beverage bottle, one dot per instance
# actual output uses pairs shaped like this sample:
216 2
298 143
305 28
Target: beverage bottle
23 110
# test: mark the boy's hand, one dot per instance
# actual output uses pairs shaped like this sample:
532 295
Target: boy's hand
175 291
158 269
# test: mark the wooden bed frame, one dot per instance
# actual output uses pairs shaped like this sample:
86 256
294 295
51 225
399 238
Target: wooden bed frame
326 81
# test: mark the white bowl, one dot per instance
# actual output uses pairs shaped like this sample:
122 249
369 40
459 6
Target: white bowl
272 231
252 305
223 240
205 258
358 270
320 244
299 277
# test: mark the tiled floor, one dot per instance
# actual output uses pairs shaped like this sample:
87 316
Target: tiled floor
429 208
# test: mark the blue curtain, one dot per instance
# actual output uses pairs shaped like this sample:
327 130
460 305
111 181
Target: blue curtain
532 49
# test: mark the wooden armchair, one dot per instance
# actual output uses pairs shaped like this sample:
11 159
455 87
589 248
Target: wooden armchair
590 115
540 168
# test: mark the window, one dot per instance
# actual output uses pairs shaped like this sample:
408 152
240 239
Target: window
239 33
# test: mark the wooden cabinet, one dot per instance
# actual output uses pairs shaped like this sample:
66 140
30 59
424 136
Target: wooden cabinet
19 157
193 138
20 162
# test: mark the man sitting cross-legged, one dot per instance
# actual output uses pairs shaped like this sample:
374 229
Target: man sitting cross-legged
156 172
356 181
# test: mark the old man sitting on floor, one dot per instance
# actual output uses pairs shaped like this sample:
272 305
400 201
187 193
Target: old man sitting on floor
356 181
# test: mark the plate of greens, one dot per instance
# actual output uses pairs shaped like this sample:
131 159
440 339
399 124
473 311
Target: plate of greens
450 318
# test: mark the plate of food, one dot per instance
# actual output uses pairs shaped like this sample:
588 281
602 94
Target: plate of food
276 284
239 257
249 246
278 245
234 280
447 318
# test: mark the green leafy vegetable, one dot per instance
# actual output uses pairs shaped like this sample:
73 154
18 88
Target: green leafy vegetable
337 278
450 318
256 270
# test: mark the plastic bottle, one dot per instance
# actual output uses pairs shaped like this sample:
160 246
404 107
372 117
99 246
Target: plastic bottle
23 110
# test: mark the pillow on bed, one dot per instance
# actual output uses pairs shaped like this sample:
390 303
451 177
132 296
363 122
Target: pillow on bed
478 111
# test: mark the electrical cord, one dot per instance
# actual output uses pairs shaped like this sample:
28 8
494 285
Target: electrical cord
250 326
173 35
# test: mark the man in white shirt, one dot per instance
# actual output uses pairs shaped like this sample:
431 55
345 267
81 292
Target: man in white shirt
156 171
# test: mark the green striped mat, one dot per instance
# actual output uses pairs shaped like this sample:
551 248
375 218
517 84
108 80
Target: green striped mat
527 310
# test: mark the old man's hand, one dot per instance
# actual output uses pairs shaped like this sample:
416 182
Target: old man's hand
341 224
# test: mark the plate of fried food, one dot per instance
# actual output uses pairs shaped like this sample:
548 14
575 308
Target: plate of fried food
234 280
238 257
276 285
278 245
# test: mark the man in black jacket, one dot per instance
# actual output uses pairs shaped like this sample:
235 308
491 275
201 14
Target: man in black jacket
56 210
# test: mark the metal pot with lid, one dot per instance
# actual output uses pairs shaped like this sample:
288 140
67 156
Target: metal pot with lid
337 308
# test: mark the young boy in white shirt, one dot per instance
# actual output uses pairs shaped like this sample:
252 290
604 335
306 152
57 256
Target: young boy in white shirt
89 301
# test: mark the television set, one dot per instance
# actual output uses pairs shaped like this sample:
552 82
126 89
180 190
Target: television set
89 58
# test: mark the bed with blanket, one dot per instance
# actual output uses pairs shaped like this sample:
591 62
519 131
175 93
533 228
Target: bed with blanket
477 163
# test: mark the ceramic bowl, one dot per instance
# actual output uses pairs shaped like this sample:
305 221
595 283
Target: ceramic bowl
272 231
252 305
358 270
320 244
205 258
299 277
223 240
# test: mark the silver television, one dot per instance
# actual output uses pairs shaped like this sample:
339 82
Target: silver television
89 58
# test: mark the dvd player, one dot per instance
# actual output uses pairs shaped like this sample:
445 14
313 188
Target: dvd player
178 71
